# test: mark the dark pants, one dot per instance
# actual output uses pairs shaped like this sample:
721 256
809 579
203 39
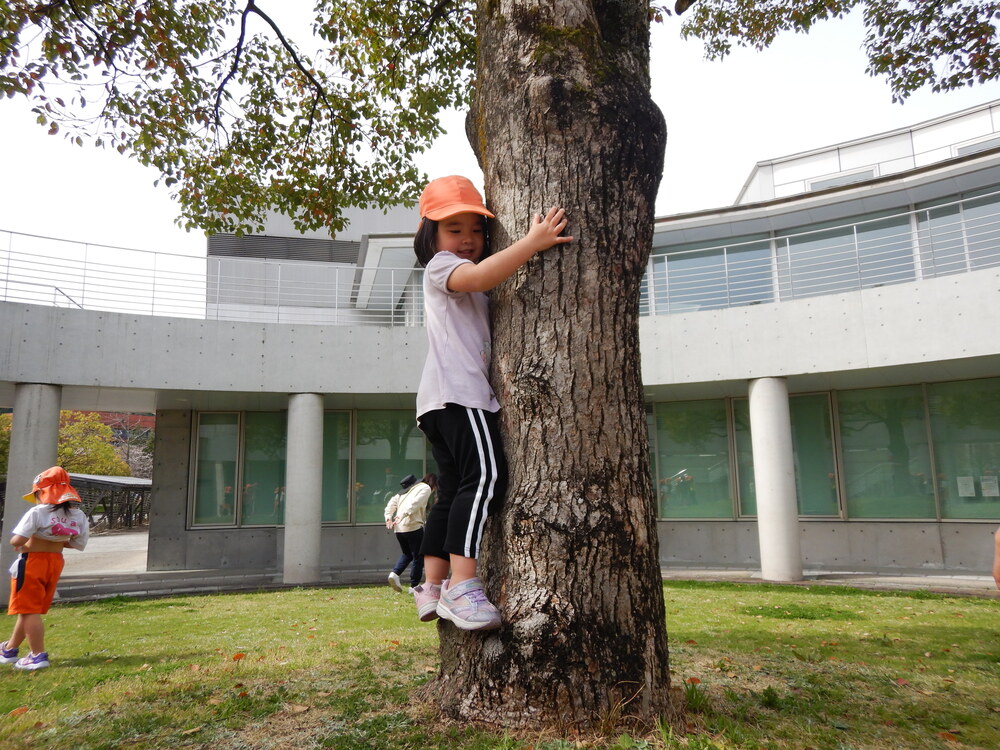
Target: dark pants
472 478
409 542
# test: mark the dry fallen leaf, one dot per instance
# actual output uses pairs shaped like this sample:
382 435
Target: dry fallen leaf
902 681
18 711
195 667
295 708
240 655
192 731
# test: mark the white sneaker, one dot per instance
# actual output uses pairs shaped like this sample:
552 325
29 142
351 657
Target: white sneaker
466 605
394 582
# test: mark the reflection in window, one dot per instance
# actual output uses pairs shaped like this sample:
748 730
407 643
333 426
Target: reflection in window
817 262
748 268
697 280
942 244
885 251
389 446
693 460
264 468
812 445
965 421
982 227
218 440
336 467
887 470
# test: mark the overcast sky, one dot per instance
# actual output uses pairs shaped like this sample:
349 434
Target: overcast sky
807 91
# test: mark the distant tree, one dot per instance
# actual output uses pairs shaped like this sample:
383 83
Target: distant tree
5 425
86 445
133 442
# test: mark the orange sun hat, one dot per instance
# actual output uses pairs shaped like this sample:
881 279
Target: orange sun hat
52 487
447 196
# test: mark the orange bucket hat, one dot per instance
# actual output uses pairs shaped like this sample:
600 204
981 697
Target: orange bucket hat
52 487
447 196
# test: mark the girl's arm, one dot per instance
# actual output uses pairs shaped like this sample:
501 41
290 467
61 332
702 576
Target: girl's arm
17 541
490 271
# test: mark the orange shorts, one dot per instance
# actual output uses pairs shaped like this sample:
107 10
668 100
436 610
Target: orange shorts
32 589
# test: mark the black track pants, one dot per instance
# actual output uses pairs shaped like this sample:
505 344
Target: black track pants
472 478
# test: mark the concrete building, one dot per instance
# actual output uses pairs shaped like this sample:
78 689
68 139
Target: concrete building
821 360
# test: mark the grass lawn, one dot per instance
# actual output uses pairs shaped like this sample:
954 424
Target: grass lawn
759 666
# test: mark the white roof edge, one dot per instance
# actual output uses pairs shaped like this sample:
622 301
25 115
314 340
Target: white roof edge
886 134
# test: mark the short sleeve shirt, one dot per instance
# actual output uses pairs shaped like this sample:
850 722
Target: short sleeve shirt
46 522
458 333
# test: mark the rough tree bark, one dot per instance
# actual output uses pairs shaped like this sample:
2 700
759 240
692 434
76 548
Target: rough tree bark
563 116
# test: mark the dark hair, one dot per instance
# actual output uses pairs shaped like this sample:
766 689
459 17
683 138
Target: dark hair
68 505
431 480
425 240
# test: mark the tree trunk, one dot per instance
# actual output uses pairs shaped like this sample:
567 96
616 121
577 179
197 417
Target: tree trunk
563 116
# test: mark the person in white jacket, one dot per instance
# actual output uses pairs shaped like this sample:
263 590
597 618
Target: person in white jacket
405 514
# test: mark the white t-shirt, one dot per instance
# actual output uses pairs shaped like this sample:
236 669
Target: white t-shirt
458 331
47 522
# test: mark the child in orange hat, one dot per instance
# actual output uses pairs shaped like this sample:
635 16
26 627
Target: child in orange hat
56 522
456 406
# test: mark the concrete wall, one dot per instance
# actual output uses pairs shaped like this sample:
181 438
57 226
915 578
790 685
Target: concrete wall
922 325
916 331
112 350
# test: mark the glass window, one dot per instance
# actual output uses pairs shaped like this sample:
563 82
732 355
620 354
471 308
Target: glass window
218 442
336 467
748 268
885 251
942 247
887 470
982 227
264 468
812 445
388 447
818 262
697 280
693 460
746 486
965 422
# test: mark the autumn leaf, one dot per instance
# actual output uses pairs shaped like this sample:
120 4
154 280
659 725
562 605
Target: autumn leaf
693 681
295 708
195 667
948 736
902 681
239 656
18 711
195 730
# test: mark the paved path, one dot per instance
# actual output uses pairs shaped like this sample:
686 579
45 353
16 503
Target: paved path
116 563
113 553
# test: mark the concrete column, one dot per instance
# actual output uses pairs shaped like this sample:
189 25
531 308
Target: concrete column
303 489
774 477
34 440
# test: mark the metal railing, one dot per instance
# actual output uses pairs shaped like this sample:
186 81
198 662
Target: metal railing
947 238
